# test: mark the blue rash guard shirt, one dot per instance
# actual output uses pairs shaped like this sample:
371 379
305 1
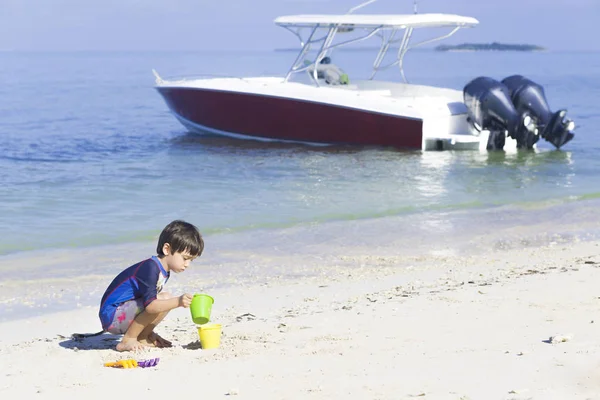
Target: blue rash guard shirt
143 280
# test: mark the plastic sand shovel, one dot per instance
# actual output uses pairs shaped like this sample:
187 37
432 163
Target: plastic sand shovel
122 364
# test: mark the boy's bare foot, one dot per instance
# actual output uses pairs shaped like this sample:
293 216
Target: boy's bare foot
127 344
154 340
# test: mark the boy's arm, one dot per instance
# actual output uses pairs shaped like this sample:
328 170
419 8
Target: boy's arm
161 305
146 279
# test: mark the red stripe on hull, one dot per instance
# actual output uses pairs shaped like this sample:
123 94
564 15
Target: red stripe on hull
289 119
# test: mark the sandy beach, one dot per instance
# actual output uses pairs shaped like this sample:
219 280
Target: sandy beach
521 324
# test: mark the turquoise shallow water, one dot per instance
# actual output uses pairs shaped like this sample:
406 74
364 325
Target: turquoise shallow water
92 157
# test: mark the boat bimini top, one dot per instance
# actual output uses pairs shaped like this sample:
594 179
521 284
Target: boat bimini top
386 26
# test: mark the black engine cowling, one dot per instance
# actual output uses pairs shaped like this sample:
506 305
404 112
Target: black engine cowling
529 99
516 107
490 108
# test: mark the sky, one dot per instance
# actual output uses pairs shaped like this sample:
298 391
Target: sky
197 25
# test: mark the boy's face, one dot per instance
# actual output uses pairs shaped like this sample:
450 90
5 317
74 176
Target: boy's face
176 262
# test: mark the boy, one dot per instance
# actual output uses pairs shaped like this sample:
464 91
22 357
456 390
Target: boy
134 304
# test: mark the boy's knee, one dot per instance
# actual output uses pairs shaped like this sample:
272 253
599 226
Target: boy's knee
164 295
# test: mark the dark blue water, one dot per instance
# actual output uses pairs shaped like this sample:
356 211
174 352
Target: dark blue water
91 156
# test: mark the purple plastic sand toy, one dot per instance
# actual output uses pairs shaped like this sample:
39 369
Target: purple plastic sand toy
148 363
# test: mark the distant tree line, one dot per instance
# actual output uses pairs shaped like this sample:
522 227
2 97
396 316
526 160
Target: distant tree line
490 46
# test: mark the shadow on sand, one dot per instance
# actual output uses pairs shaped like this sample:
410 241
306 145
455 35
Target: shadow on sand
107 342
101 342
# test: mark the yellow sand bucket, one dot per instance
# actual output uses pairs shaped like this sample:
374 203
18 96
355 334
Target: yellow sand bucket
210 336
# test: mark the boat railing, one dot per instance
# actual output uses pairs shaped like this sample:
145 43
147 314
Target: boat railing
403 49
388 38
325 43
361 5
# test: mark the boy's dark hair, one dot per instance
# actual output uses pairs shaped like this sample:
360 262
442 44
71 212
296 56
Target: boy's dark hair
182 236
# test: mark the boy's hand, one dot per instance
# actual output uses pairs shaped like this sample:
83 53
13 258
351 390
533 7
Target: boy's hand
185 300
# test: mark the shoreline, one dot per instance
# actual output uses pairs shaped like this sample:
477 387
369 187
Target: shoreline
53 281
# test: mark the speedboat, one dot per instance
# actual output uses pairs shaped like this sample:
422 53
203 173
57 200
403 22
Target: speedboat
316 102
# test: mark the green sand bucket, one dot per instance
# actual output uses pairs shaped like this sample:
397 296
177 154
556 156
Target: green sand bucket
200 308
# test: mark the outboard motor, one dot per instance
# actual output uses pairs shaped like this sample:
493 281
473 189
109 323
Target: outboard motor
489 106
530 102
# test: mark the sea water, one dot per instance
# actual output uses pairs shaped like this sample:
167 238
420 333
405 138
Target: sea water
92 161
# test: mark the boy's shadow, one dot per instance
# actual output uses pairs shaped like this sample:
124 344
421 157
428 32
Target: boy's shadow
107 342
101 342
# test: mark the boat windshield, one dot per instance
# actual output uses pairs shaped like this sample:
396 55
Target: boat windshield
318 32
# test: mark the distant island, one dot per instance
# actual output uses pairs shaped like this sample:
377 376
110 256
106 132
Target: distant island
489 47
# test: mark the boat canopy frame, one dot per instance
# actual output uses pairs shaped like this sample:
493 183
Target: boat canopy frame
384 26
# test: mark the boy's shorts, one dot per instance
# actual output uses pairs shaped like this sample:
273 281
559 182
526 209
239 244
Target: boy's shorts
124 316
